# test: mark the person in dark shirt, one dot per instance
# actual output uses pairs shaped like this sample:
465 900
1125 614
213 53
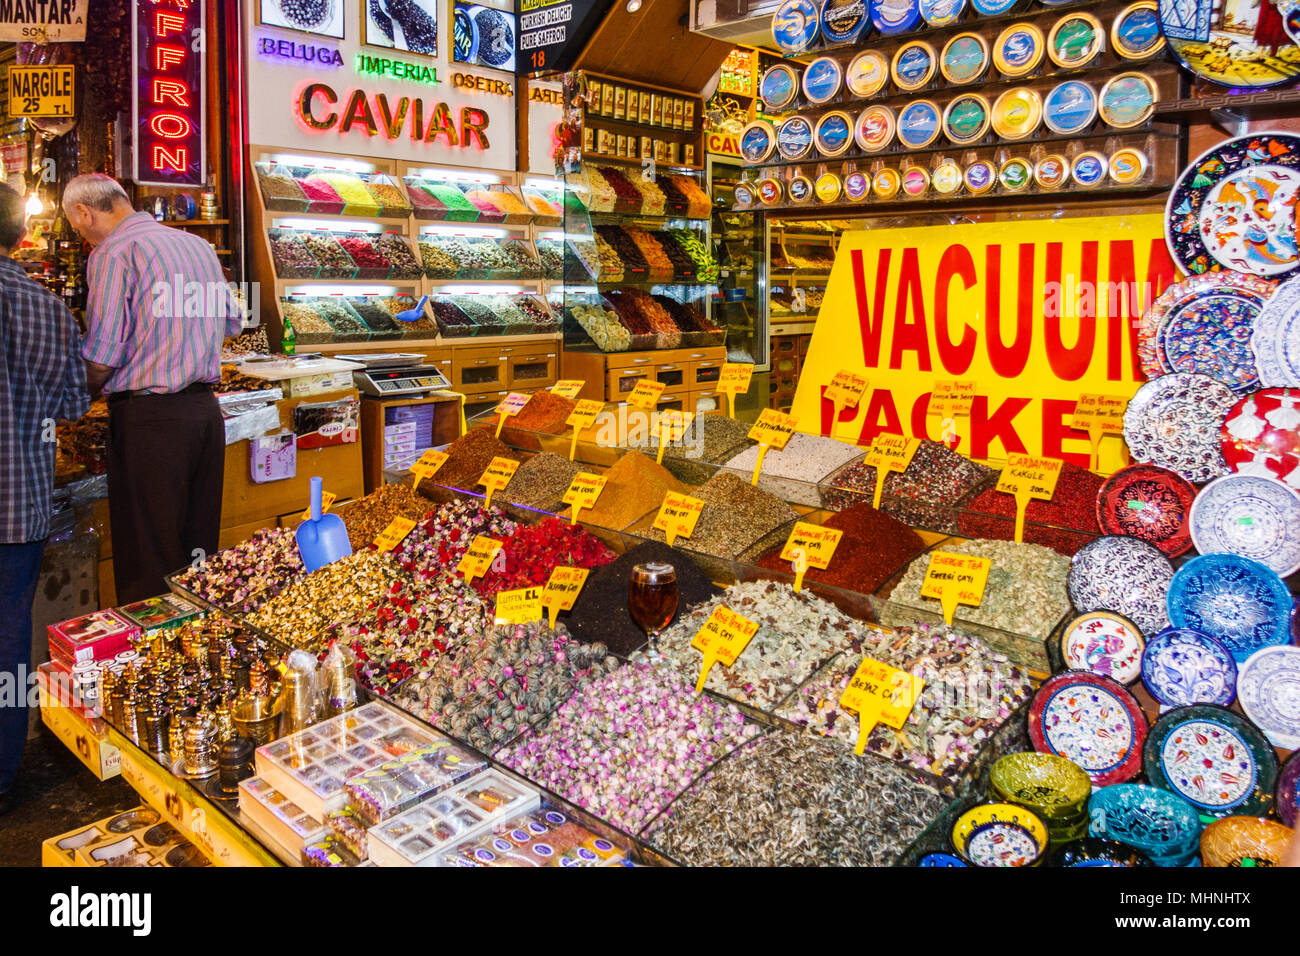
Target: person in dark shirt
42 378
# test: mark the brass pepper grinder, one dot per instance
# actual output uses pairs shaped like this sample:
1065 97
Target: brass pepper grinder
156 721
200 744
176 737
225 725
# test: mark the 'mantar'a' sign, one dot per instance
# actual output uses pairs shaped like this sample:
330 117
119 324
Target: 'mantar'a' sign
168 104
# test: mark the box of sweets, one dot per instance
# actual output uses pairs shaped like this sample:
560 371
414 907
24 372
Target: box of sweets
159 613
98 636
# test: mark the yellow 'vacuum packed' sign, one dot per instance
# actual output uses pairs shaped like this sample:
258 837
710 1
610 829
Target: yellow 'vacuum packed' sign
42 91
1036 313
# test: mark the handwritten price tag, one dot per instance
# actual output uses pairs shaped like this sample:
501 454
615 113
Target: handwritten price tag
672 428
881 695
583 492
810 546
772 430
951 398
846 389
953 579
889 453
646 394
678 515
568 387
521 606
478 559
1028 477
497 476
734 380
562 590
327 498
1099 415
510 406
392 536
724 636
583 416
427 465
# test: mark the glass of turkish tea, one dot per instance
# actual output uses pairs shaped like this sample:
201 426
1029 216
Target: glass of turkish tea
652 599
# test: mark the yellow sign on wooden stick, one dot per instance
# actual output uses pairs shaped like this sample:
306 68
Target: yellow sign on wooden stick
497 476
510 406
678 515
646 394
478 559
1099 416
810 546
772 430
881 695
562 590
1027 477
723 638
568 387
393 535
734 380
583 492
582 417
327 498
953 579
427 465
520 606
889 453
672 427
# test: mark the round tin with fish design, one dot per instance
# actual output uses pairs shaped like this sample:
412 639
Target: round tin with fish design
1019 49
918 124
964 59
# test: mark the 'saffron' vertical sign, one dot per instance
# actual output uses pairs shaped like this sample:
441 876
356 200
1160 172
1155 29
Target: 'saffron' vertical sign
169 101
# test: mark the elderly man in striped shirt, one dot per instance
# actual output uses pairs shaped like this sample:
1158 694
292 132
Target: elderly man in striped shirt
159 308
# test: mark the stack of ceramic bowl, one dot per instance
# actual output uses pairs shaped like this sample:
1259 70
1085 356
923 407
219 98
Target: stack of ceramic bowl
1054 788
1156 822
998 835
1245 841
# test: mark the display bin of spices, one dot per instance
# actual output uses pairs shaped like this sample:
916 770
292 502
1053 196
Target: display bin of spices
795 471
541 318
544 205
1025 598
364 251
523 259
309 325
468 457
366 517
397 250
487 321
280 191
634 486
291 256
971 709
333 259
351 189
393 203
381 324
322 198
1065 523
820 806
441 201
536 547
712 440
551 254
242 577
544 414
540 483
299 614
422 328
438 258
347 325
926 495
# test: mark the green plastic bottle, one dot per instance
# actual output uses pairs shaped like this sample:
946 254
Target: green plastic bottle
289 341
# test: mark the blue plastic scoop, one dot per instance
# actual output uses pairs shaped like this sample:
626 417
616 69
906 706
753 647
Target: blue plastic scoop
412 315
322 539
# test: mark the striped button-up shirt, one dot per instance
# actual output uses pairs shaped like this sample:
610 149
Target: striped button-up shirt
42 378
159 308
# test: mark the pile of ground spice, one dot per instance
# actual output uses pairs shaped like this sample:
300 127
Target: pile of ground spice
534 551
600 613
873 548
468 457
1065 523
634 486
540 482
544 414
793 472
735 517
711 440
368 516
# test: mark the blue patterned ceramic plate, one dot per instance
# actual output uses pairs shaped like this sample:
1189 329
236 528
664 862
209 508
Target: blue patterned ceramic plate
1091 720
1287 793
1213 337
1239 602
1000 834
942 859
1174 421
1240 46
1279 315
1093 852
1125 575
1212 758
1269 687
1149 819
1102 643
1250 515
1181 667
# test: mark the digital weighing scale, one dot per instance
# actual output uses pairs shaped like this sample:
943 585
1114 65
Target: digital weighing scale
388 374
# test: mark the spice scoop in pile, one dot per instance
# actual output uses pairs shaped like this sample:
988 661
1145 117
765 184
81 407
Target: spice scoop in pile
923 496
244 577
300 613
492 687
628 743
438 542
797 634
969 693
468 457
368 516
736 516
1025 593
873 548
1065 523
532 552
791 799
793 472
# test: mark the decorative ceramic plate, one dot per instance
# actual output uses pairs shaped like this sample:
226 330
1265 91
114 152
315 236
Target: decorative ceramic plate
1093 852
1124 575
1103 643
1213 337
1150 819
1054 788
1269 687
942 859
1237 45
1091 720
1239 602
999 834
1181 667
1276 340
1245 841
1174 422
1234 207
1286 796
794 25
1198 303
1212 758
1249 515
1150 503
1261 435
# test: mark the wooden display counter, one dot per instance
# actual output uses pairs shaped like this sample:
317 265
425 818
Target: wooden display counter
690 376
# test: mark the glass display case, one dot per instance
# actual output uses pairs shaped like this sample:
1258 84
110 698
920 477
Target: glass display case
738 248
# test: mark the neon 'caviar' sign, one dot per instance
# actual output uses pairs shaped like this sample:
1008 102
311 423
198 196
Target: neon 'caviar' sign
319 109
168 103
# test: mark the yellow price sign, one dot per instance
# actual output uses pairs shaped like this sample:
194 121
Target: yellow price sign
810 546
327 498
497 476
672 428
724 636
520 606
582 417
772 430
678 515
1027 477
583 492
568 387
889 453
951 398
478 559
562 590
1099 415
734 380
953 579
42 91
881 695
646 394
510 406
427 465
393 535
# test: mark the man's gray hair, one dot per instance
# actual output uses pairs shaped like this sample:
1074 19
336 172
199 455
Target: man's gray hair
96 191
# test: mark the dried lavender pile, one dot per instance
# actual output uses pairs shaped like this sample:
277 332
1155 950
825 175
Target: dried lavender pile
736 516
797 634
499 683
628 743
299 613
790 799
245 576
793 472
1025 593
969 693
